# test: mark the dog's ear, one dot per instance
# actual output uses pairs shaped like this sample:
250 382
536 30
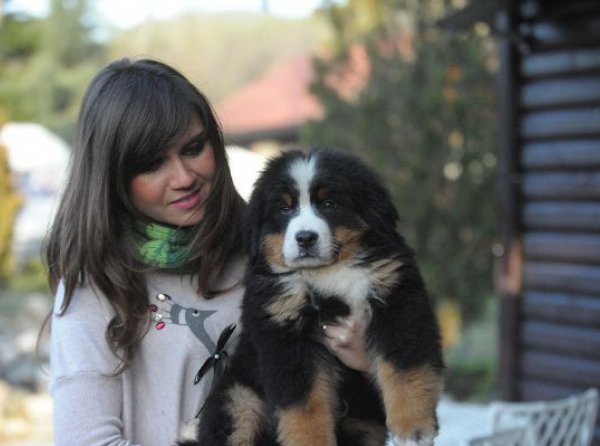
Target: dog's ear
380 211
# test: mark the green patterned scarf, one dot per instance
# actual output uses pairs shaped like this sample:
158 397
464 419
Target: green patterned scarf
162 246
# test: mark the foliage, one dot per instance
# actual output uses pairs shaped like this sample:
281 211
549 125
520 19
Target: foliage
220 53
425 120
46 64
10 202
471 372
29 278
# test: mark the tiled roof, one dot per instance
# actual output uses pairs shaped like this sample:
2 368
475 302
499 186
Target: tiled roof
278 99
281 98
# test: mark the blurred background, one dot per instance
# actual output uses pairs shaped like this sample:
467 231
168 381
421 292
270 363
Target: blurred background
380 78
377 78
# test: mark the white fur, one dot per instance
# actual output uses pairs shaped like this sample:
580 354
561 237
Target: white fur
306 219
397 441
350 283
188 430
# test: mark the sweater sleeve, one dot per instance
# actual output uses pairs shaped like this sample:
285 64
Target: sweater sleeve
87 395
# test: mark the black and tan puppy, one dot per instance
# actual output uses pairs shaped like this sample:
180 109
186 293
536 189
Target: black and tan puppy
322 245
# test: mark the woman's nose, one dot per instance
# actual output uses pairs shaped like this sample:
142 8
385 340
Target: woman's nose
182 176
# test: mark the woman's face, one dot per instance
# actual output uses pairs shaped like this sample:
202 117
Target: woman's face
174 187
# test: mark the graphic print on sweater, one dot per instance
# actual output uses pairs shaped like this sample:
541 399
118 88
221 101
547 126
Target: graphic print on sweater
166 311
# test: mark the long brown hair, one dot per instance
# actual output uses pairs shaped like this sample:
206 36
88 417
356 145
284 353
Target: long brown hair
131 112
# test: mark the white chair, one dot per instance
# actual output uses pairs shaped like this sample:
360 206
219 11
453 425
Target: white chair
565 422
518 436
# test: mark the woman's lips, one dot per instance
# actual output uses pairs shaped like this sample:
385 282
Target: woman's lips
189 201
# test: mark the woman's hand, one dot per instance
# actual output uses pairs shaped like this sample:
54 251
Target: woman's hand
346 339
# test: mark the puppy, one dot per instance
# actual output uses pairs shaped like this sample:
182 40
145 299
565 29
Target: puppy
322 245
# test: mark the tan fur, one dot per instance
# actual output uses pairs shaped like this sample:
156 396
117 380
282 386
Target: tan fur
410 398
312 423
272 249
349 239
322 194
372 433
286 308
246 410
386 273
287 199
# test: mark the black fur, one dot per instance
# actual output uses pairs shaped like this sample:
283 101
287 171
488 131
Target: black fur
282 356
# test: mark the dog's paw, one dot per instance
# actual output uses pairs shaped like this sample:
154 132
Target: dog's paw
414 440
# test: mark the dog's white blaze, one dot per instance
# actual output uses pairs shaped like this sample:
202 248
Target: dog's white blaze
302 173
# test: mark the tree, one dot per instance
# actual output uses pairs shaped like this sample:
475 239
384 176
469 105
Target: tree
10 202
46 64
425 120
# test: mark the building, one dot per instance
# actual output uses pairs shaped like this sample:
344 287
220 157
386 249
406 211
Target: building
549 90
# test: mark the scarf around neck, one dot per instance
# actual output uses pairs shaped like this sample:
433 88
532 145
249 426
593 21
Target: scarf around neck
162 246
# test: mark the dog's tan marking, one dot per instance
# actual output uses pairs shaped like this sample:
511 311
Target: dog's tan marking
410 398
287 307
386 273
312 423
246 410
272 248
349 240
322 193
287 200
370 433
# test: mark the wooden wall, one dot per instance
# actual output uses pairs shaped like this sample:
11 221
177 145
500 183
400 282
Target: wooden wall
555 150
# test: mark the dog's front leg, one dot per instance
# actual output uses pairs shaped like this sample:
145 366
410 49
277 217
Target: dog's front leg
300 390
410 398
309 422
407 366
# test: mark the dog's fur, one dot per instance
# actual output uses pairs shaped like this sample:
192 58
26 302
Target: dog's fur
322 245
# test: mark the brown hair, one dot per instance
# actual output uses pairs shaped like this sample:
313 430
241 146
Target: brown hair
131 112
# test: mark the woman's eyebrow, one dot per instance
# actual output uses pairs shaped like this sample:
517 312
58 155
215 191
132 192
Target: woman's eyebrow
200 135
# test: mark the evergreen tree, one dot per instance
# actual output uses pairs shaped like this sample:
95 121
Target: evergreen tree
425 119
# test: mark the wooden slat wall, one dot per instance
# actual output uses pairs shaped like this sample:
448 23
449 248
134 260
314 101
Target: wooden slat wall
559 149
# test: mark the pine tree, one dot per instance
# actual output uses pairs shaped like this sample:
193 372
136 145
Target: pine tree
425 120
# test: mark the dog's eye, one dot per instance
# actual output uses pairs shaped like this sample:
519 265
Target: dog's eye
329 205
285 210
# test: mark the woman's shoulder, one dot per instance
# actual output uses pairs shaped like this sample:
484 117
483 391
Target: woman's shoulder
233 272
85 298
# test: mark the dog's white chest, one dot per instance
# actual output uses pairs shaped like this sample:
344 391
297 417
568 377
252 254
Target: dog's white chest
350 284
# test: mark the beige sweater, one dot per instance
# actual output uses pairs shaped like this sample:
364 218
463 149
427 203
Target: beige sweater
147 404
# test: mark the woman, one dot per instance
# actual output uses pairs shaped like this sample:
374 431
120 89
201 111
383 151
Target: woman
145 258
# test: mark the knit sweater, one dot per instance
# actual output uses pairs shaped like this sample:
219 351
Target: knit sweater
147 404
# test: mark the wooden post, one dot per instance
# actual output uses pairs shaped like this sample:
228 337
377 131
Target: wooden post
509 189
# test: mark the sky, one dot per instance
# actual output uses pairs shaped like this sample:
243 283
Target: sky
127 13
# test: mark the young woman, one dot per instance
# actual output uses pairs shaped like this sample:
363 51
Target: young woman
144 256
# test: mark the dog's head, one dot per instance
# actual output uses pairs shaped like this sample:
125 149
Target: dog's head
316 209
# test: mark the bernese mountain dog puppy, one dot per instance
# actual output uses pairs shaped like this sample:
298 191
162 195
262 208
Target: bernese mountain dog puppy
323 245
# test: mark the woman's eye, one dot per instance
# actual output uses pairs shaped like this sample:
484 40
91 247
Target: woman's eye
152 166
194 148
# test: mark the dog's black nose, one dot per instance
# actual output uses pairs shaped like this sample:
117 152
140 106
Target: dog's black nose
306 239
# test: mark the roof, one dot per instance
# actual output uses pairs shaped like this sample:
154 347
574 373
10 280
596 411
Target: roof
280 99
278 103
